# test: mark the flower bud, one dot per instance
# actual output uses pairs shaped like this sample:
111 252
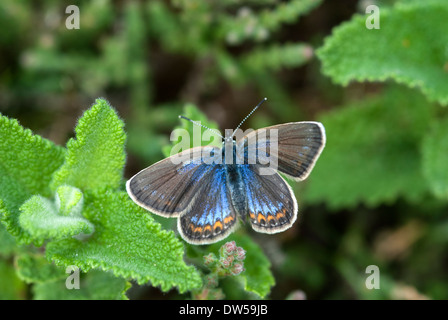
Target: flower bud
228 248
240 254
210 259
237 268
225 263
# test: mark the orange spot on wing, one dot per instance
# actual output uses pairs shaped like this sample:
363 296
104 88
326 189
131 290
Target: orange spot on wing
228 219
218 224
252 215
208 227
261 217
280 214
198 229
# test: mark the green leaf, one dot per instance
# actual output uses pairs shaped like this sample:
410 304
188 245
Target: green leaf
95 285
36 268
128 242
69 201
287 12
435 158
44 219
163 21
410 48
193 132
11 287
372 155
257 276
250 25
8 244
27 163
276 57
95 159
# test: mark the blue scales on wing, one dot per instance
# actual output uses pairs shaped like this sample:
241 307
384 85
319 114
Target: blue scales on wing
212 216
271 204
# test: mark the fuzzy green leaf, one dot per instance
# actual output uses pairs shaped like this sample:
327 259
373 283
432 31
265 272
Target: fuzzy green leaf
372 155
435 158
95 159
128 242
410 48
95 285
27 163
42 219
35 268
69 201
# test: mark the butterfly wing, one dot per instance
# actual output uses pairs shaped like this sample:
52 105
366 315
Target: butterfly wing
299 145
271 204
169 187
212 216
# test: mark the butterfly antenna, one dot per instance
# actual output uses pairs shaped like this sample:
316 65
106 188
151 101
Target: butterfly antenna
201 125
250 113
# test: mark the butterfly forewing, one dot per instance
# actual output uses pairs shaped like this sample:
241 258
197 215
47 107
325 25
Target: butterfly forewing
169 187
294 152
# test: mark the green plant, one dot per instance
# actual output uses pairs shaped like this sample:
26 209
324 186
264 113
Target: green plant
76 211
378 194
414 32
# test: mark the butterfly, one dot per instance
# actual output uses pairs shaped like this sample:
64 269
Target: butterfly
210 188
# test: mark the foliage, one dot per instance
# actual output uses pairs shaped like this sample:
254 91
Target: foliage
378 141
28 161
10 285
90 224
257 276
435 149
95 285
96 158
127 242
42 219
229 263
357 53
377 196
98 227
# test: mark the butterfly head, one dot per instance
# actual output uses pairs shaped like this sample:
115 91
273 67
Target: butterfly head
229 138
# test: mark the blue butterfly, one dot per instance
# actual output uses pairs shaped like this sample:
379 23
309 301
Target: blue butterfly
207 195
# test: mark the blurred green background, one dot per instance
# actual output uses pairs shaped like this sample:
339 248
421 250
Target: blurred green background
370 199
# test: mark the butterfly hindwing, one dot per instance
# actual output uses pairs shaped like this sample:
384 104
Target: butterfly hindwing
212 216
299 145
271 204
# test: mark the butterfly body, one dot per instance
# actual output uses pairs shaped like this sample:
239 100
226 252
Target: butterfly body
209 194
235 185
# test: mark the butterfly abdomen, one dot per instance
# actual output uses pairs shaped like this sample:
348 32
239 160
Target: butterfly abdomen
236 189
